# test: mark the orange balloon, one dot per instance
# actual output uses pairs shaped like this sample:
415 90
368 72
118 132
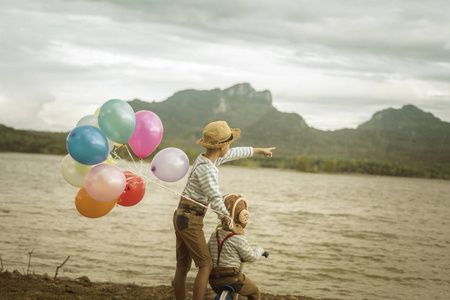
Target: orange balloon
91 208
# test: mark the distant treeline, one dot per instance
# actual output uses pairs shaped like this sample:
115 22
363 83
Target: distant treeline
54 143
336 165
341 165
29 141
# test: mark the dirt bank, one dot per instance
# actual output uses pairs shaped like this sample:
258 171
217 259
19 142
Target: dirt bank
14 285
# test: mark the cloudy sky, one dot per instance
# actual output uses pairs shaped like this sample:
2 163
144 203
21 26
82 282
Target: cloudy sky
334 62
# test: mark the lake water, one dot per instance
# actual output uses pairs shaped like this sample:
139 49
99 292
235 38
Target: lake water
334 236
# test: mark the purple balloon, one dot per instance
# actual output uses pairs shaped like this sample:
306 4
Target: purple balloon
170 164
147 134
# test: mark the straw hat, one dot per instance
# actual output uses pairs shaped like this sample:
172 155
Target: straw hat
218 134
238 208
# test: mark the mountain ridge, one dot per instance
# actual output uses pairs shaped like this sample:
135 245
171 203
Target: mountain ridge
390 134
407 135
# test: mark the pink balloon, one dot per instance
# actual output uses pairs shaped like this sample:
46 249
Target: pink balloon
105 182
147 134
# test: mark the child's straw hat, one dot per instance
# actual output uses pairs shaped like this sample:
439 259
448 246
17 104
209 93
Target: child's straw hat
218 134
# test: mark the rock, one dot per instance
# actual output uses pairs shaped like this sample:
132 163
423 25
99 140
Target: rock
84 280
16 274
46 277
6 275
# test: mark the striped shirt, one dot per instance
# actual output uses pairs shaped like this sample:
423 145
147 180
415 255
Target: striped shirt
203 183
233 249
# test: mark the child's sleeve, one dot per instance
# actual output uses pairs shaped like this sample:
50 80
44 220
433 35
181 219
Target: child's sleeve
247 252
210 186
235 153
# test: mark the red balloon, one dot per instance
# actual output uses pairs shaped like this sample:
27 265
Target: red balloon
134 190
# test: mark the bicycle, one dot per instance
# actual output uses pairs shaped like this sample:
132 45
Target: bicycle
227 292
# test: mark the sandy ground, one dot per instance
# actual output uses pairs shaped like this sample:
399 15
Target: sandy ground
14 285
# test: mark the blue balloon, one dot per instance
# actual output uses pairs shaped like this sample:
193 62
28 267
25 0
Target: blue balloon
87 145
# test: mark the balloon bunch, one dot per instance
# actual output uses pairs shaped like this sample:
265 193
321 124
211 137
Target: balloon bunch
91 167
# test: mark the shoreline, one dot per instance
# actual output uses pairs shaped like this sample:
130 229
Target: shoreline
14 285
423 173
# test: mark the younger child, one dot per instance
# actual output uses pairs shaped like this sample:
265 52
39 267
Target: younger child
227 248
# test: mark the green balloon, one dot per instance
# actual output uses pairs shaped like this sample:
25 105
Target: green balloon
117 120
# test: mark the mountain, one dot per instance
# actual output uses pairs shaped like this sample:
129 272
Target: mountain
405 120
407 135
410 121
185 114
412 132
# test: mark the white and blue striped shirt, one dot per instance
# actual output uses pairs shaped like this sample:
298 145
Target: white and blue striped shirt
233 249
203 184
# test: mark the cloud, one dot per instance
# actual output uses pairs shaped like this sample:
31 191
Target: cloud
23 108
65 58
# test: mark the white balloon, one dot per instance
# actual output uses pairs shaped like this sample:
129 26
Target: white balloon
74 172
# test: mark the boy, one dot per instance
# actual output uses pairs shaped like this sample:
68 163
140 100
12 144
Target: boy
202 189
227 248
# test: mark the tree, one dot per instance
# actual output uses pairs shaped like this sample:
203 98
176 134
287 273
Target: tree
330 166
302 163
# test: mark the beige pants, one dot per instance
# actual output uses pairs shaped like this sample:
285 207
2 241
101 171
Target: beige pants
190 238
240 283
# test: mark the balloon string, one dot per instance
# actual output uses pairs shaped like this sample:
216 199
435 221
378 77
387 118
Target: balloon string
230 221
154 181
170 190
123 162
129 153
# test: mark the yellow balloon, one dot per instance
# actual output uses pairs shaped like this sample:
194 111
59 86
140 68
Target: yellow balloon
109 161
91 208
96 112
74 172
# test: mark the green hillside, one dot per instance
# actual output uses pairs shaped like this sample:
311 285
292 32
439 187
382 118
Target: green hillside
392 139
408 135
186 113
30 141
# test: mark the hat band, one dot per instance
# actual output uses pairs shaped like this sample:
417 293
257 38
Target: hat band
227 140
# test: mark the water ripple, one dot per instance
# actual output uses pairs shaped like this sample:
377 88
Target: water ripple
350 237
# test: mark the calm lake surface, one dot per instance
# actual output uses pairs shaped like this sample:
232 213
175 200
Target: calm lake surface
335 236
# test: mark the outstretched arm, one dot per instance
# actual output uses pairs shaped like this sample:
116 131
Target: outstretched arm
267 152
245 251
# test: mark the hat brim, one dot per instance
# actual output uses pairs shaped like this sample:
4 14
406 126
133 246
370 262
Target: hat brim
236 133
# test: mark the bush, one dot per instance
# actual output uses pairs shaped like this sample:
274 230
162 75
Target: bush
302 163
